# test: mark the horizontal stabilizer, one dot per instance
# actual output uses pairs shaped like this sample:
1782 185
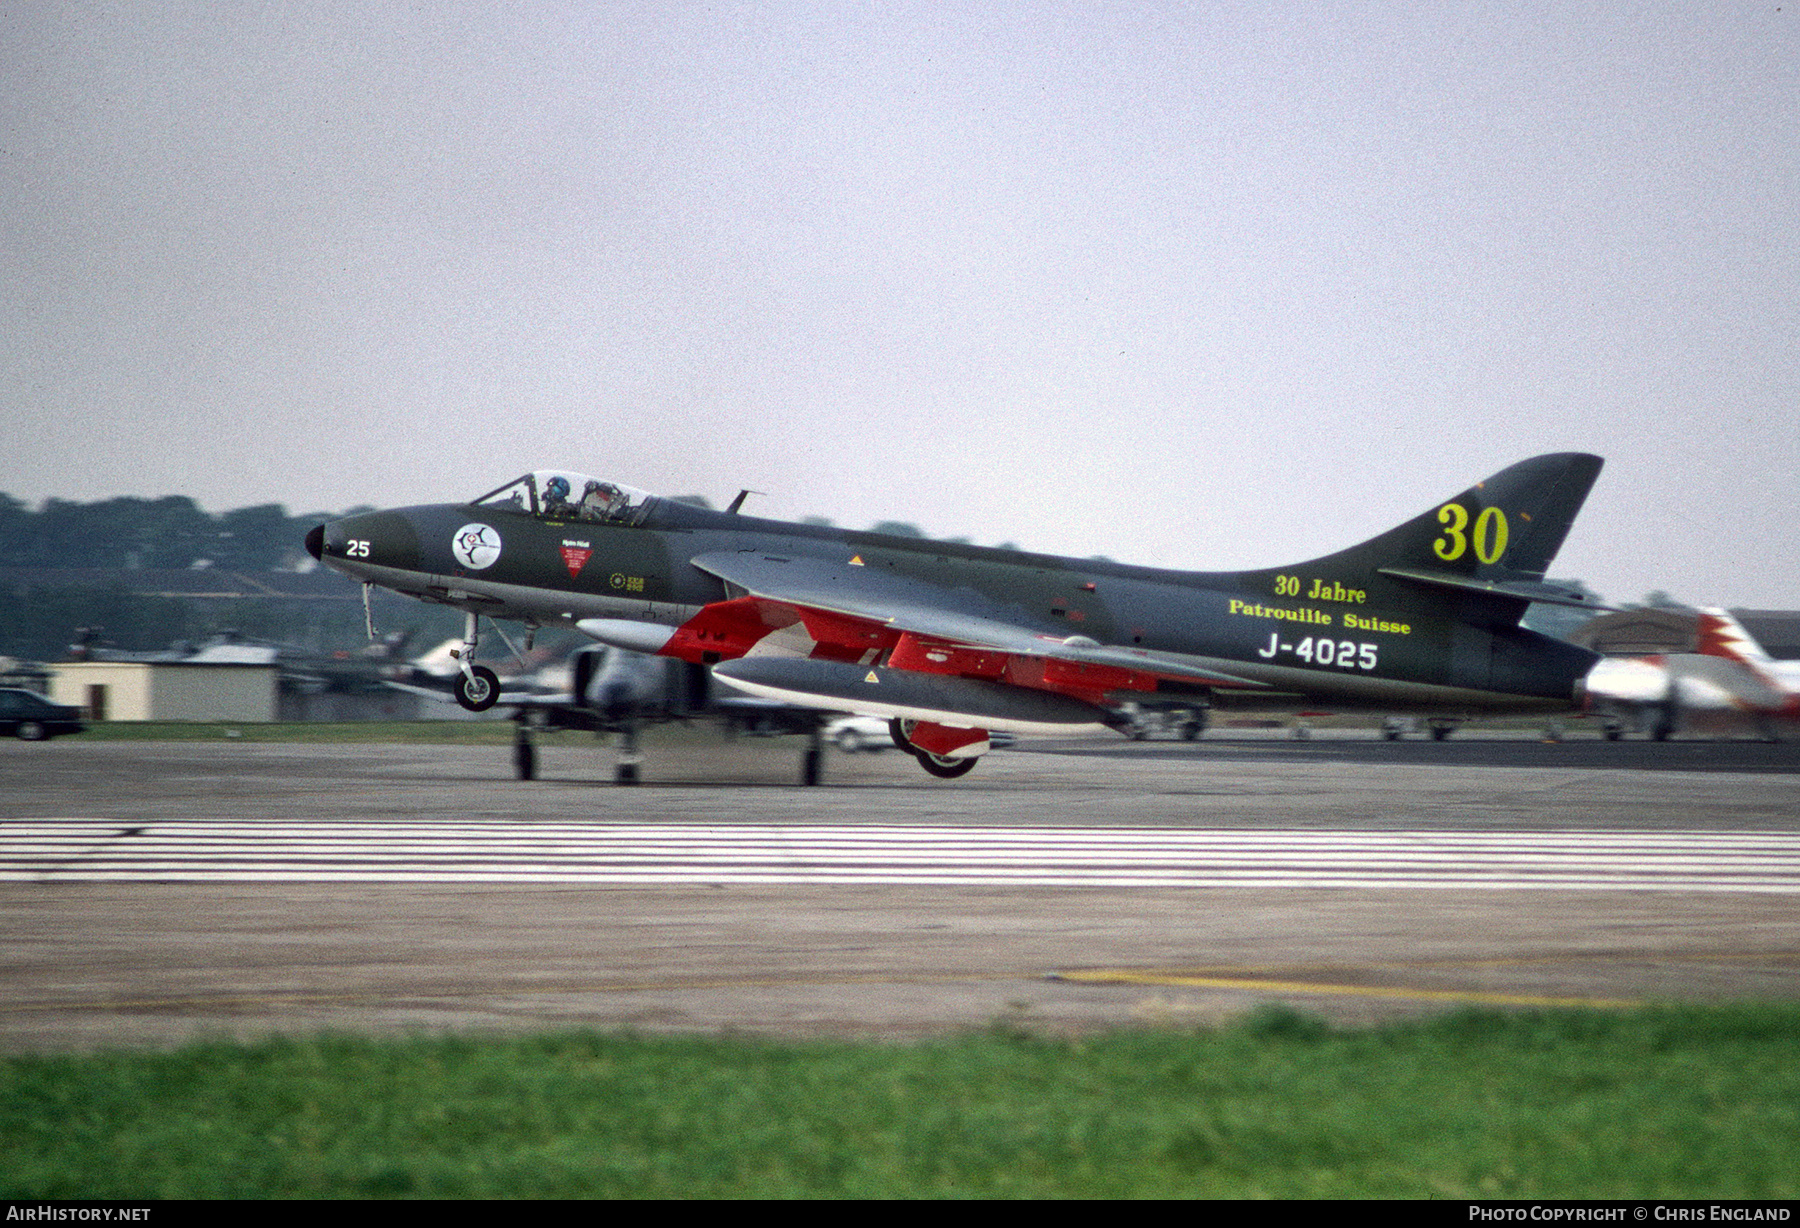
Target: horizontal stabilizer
1526 590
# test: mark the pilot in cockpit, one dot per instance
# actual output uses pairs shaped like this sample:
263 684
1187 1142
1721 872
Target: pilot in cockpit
556 497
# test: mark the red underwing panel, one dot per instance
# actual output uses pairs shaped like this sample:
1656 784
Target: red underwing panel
726 630
933 656
1061 674
838 637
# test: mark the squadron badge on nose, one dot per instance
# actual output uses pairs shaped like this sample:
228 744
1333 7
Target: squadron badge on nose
476 546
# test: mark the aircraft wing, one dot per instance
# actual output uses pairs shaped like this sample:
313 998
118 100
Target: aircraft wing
961 616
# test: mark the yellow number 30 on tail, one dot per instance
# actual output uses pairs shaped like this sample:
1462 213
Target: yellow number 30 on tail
1490 533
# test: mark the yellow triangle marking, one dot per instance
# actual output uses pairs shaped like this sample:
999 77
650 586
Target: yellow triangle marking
871 677
856 561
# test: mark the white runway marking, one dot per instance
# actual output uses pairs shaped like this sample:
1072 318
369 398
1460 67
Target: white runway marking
607 854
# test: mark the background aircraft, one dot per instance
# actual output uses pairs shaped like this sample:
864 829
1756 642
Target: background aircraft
953 640
609 690
1727 686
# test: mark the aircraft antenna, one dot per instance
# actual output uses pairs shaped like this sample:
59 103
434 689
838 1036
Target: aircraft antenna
739 501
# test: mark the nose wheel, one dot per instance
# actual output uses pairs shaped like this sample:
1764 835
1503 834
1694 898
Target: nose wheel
478 689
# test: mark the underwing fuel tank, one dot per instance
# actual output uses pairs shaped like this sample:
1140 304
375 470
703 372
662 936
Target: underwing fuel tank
876 691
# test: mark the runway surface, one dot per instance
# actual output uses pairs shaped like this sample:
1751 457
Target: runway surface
685 854
154 892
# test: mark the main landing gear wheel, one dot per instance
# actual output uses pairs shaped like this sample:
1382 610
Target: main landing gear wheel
938 765
480 691
942 768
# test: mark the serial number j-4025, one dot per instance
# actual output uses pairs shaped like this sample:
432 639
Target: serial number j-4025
1322 650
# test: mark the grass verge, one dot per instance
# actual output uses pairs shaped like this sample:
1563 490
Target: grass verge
1679 1102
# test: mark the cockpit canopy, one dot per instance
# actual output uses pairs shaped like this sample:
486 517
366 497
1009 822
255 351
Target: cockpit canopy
556 494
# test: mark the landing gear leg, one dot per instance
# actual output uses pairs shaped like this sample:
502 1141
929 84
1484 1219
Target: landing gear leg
479 687
626 772
1663 724
812 759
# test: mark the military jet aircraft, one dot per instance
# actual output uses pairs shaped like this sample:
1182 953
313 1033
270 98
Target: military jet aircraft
950 641
1728 685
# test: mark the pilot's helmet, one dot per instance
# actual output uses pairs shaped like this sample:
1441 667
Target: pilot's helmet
557 488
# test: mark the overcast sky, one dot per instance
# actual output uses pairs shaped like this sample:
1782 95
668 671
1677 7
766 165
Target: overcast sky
1188 284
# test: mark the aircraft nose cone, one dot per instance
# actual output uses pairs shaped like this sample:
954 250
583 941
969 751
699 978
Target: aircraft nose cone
315 542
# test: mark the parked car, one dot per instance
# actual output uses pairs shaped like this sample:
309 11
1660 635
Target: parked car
856 733
32 718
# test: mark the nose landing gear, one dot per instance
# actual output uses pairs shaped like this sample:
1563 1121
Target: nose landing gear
478 689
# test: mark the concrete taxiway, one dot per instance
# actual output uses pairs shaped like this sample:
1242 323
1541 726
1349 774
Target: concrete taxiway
156 958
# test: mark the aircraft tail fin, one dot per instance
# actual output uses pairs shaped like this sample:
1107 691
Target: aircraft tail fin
1721 635
1494 540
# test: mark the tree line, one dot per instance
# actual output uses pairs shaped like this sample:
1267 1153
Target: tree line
43 612
132 533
